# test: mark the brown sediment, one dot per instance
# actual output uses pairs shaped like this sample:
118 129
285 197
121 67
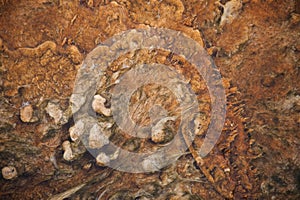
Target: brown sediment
256 46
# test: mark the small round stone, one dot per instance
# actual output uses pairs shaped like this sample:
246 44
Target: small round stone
102 159
76 131
9 172
68 154
98 106
26 113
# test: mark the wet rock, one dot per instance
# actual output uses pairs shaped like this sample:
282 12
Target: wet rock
9 172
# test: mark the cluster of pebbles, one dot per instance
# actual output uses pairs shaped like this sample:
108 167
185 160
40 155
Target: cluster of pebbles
162 131
50 116
137 105
152 106
100 128
163 119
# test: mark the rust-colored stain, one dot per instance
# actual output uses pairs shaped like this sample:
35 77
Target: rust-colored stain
255 45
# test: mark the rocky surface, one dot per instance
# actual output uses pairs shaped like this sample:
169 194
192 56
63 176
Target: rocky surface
256 46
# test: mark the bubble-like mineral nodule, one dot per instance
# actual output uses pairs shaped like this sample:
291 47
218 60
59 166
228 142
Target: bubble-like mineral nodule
99 106
9 172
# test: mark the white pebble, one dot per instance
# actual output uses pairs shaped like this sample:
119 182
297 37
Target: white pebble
68 154
54 111
102 159
9 172
99 107
76 131
227 170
